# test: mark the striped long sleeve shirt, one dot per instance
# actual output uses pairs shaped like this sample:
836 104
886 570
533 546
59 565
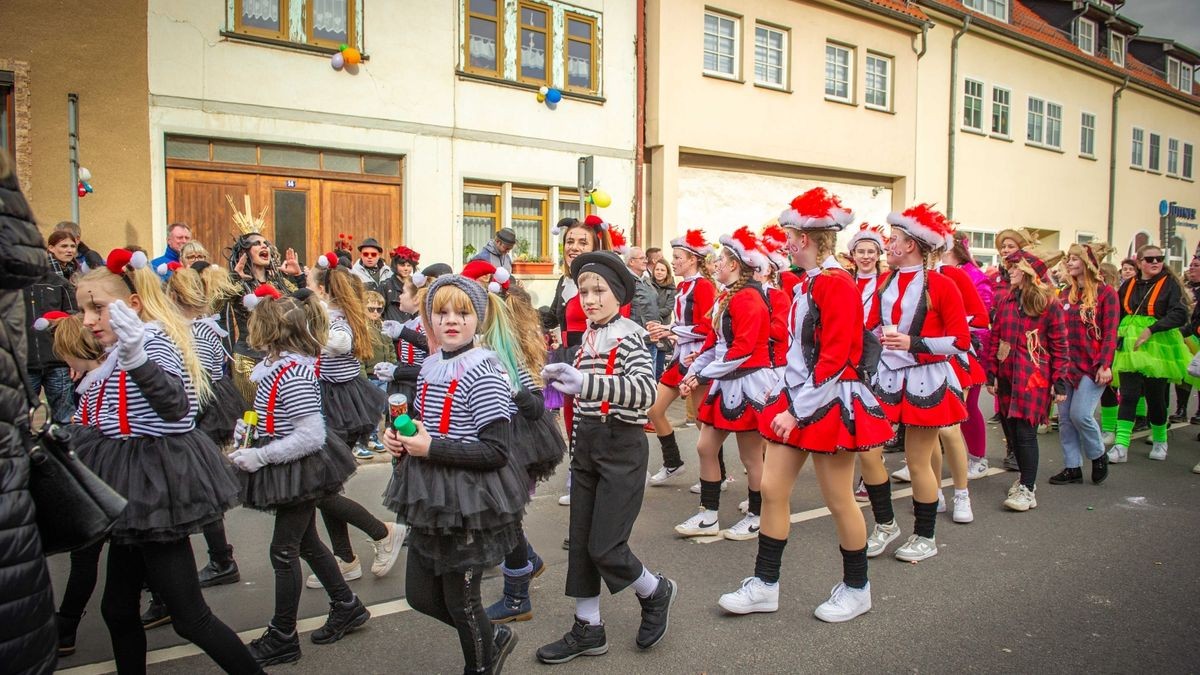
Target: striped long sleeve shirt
618 375
154 399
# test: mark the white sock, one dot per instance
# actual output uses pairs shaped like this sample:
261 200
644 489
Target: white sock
645 584
960 493
709 515
588 609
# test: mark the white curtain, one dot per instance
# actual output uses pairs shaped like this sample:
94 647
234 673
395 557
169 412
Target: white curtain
261 10
533 57
580 68
483 48
329 16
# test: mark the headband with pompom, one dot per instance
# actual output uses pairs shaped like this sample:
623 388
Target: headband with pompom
328 260
345 242
49 319
925 224
746 246
251 300
165 267
418 279
817 209
121 260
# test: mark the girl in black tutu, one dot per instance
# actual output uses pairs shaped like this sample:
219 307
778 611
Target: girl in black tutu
457 483
150 388
294 461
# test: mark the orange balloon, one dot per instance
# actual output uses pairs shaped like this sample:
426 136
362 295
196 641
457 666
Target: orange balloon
353 56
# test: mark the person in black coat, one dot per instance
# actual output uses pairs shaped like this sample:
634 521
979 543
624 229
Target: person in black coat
49 293
27 633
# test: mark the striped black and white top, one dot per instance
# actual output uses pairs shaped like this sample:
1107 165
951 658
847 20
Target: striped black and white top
298 394
137 413
209 346
408 353
627 389
481 394
341 367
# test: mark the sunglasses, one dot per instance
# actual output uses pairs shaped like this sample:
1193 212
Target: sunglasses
374 310
368 254
1153 259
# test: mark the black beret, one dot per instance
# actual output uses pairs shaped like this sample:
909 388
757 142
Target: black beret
610 266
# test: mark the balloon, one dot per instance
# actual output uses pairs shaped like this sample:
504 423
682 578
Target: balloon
601 198
553 95
551 105
337 61
84 174
543 90
82 190
541 98
343 47
87 186
353 56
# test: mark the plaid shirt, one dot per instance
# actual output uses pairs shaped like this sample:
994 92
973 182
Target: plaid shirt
1091 339
1022 336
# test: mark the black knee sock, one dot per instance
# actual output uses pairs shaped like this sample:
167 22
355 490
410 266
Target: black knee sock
854 567
670 451
926 515
881 502
770 556
710 494
755 502
721 460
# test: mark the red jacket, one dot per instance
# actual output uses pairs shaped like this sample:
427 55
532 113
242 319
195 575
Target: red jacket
781 306
743 349
1091 339
938 322
829 337
977 312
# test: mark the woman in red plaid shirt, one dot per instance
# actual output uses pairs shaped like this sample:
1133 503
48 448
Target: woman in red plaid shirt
1026 356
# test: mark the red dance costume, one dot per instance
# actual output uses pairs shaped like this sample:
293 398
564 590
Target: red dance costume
868 287
737 363
694 299
1030 353
967 366
777 346
834 408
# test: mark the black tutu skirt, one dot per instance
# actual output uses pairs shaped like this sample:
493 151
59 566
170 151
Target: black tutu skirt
538 444
406 387
458 552
221 414
308 478
352 408
175 485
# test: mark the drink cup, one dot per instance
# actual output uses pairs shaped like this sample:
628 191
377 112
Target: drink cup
397 405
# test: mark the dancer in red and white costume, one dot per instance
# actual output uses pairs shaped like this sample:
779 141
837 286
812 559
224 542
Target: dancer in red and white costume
823 407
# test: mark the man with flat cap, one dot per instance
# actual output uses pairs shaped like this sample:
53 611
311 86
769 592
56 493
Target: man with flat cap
370 266
498 251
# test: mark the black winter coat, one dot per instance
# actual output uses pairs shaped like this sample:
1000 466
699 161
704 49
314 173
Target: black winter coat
47 294
28 638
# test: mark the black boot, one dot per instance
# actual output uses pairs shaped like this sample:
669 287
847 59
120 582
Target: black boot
503 639
1100 468
67 626
656 612
515 605
218 573
343 618
583 640
1179 415
274 647
1067 475
156 615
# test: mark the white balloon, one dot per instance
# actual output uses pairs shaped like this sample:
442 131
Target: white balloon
84 174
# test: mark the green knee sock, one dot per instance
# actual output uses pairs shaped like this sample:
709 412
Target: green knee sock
1141 407
1108 418
1124 428
1158 433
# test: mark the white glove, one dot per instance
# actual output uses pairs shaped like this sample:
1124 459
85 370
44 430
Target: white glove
564 378
239 432
249 459
384 371
392 329
131 333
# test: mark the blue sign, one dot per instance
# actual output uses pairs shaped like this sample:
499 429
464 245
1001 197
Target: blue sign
1166 208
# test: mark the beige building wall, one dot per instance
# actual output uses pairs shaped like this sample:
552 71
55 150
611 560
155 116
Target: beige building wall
100 56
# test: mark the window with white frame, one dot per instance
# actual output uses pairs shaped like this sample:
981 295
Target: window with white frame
879 82
1000 111
1116 48
1138 147
1173 72
997 9
1084 32
1087 134
839 71
1155 150
1035 125
1186 82
1187 161
770 56
973 105
1054 125
720 44
1172 156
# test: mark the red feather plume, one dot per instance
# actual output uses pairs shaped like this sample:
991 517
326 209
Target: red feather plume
695 239
929 217
816 203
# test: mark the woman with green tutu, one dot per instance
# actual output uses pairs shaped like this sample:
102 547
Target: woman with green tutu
1150 349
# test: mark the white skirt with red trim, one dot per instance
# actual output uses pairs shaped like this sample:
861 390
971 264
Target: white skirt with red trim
835 416
925 395
735 404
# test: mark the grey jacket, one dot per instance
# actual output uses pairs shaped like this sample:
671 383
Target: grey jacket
493 255
644 306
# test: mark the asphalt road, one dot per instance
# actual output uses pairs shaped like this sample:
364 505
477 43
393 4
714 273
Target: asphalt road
1097 579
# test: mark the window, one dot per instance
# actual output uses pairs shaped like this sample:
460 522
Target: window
481 217
265 18
1054 125
581 52
973 105
1035 125
484 43
329 23
770 56
1084 237
1000 99
1187 161
720 44
528 210
8 126
838 72
980 243
997 9
319 23
569 208
879 82
533 24
1185 78
1116 48
1084 34
1172 157
1139 139
1173 72
529 220
1087 134
1155 143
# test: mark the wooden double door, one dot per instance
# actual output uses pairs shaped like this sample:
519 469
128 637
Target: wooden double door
306 214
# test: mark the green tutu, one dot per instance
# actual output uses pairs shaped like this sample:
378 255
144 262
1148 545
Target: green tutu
1164 355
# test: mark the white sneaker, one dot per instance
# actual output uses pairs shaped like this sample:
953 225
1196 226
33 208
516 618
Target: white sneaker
845 603
755 595
695 489
976 468
665 474
705 522
1196 469
881 536
746 528
1108 438
1012 489
565 500
917 548
744 506
1022 499
901 474
350 571
387 550
1159 451
962 508
941 502
1119 454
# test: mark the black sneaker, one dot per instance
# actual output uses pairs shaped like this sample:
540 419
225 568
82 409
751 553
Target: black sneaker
1010 463
656 613
274 647
219 574
1100 468
994 419
1178 416
567 544
66 633
343 618
583 640
156 615
504 640
1067 475
1140 424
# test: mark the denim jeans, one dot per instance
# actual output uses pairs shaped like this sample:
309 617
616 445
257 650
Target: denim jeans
1078 428
59 387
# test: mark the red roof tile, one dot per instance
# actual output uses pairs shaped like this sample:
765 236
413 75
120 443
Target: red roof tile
902 7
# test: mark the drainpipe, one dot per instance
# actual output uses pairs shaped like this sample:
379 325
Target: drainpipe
73 152
639 162
924 39
1112 160
916 159
953 115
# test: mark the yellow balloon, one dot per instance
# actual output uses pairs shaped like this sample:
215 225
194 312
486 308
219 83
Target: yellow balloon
541 98
601 198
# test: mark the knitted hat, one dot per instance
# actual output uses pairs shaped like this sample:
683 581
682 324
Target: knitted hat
867 232
748 249
774 240
611 268
477 269
925 224
816 209
694 242
474 291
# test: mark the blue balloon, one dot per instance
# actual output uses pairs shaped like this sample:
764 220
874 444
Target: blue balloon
87 186
553 95
552 106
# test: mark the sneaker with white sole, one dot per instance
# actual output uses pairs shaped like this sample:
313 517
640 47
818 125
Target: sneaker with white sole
860 492
744 506
755 595
363 453
1012 489
704 523
695 489
565 500
1108 438
1118 454
1021 499
881 536
902 474
941 508
976 468
845 603
387 550
1159 451
665 474
746 528
962 508
350 571
1196 469
917 548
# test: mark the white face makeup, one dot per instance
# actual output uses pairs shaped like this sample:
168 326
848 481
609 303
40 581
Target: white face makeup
596 298
94 298
452 329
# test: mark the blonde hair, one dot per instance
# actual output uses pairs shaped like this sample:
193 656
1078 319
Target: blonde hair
192 248
73 340
825 241
348 297
157 307
292 324
527 326
1036 295
186 289
372 296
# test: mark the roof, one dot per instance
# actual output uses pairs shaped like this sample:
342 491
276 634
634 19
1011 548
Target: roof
900 7
1168 44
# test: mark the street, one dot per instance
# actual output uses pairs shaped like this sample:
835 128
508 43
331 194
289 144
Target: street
1096 579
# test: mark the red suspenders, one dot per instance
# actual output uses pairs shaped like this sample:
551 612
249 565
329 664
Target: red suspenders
270 423
447 406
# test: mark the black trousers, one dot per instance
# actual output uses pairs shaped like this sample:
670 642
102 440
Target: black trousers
295 537
170 570
608 481
453 599
337 510
1135 386
219 550
1023 440
1108 398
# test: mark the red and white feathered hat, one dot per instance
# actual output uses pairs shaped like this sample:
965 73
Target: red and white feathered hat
479 268
747 247
867 232
925 224
619 244
816 209
694 242
774 240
